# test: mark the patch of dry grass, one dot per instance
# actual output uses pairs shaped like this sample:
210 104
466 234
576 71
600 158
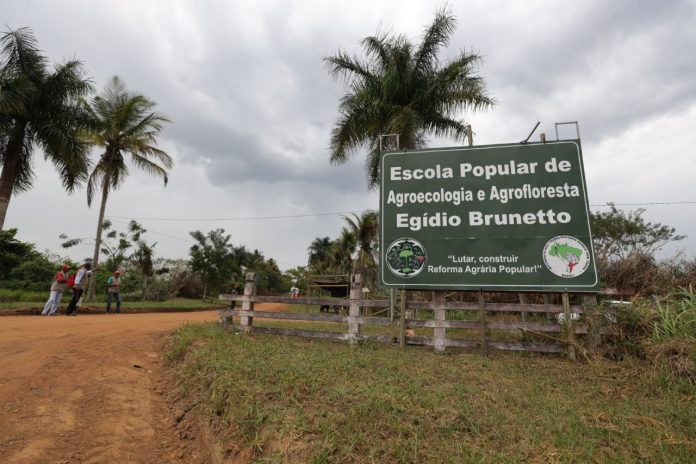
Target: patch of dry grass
280 399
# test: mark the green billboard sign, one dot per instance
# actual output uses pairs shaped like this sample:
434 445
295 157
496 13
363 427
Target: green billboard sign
498 217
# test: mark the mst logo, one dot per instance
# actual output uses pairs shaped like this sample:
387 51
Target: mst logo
406 257
566 256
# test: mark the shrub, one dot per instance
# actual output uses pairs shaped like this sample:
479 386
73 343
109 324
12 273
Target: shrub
663 332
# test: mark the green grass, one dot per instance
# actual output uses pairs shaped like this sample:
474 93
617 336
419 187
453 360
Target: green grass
177 303
294 400
7 295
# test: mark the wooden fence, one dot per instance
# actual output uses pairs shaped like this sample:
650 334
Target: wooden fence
560 336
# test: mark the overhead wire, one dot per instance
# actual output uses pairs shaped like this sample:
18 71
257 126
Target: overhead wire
331 213
241 218
336 213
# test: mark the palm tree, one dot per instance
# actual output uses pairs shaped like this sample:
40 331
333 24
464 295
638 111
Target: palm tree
400 88
142 258
123 123
38 108
342 250
365 229
320 253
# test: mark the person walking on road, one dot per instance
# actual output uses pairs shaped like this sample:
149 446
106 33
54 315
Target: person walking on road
81 279
57 289
113 291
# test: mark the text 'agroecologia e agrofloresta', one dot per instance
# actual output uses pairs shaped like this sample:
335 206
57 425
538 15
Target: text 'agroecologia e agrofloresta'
494 185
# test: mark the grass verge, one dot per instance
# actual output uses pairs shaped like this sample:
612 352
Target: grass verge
178 304
279 399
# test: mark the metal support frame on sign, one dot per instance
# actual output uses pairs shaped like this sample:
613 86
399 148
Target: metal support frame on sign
392 292
383 136
577 127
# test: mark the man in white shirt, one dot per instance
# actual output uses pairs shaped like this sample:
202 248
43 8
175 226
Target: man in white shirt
81 279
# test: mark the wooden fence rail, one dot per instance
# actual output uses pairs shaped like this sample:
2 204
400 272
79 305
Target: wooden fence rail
560 334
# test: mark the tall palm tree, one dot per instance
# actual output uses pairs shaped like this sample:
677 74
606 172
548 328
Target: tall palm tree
320 254
365 229
38 108
400 88
142 258
124 122
342 250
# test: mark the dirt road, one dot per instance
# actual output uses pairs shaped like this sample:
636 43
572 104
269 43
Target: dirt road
88 389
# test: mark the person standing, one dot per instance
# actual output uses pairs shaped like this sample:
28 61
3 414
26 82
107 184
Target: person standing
294 292
81 279
113 291
57 289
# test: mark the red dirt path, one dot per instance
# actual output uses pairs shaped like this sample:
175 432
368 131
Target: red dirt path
70 391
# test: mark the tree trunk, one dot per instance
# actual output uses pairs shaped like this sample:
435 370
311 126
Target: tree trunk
9 168
144 286
97 241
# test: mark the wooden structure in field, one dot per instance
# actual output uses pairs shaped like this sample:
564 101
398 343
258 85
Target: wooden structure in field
559 336
336 285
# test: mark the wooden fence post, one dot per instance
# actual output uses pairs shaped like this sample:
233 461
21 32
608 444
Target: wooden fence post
225 320
524 315
482 321
402 319
392 303
354 309
589 307
569 326
440 315
548 301
246 322
523 301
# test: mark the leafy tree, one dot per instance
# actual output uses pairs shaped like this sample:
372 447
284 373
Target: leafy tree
22 267
12 252
123 122
118 244
115 245
212 257
268 276
296 276
142 258
618 235
35 269
400 88
38 108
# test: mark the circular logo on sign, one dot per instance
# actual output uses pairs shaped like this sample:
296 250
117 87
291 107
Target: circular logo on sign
405 257
566 256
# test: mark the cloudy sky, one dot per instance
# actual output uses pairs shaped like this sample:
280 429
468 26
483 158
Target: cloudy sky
252 106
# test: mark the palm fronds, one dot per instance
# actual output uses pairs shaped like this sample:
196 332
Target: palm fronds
400 88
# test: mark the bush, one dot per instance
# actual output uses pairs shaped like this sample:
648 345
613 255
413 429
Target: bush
676 318
663 332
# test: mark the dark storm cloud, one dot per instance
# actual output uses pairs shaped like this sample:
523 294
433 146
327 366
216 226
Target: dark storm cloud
252 104
251 100
607 64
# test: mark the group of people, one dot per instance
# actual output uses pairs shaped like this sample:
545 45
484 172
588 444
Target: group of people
78 282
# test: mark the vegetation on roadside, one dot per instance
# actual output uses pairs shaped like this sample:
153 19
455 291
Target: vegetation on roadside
662 332
625 245
278 399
